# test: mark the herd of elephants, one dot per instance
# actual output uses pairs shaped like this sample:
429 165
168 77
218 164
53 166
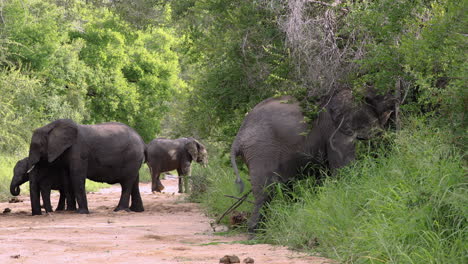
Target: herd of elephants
274 142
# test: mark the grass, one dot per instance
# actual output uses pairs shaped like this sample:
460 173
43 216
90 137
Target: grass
405 203
408 206
214 182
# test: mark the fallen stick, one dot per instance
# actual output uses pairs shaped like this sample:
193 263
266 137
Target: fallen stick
233 206
237 198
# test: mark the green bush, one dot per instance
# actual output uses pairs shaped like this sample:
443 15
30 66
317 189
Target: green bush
408 206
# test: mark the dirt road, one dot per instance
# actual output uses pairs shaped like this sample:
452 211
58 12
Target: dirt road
169 231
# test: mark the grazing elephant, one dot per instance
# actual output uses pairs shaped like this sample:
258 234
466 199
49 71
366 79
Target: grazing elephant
275 142
108 152
167 154
49 177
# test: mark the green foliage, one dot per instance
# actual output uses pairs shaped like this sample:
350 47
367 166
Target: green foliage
419 42
408 206
134 71
234 57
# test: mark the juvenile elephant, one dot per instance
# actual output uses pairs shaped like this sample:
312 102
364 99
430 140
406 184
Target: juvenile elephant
274 140
168 154
108 152
49 177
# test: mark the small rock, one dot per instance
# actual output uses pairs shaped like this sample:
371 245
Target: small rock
234 259
229 259
249 260
224 259
14 200
7 210
238 219
15 256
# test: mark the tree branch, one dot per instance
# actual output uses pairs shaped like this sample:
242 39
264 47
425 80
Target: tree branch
334 4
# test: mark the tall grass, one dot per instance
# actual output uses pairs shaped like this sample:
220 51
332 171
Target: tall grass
407 206
214 182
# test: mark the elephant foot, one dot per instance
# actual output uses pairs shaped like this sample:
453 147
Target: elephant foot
36 213
121 209
71 208
82 211
59 209
137 209
251 236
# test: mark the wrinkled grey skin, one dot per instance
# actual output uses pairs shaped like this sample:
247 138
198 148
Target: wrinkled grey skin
108 152
275 142
173 154
49 177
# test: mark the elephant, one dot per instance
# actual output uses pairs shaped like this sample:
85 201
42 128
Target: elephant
173 154
275 142
49 177
108 152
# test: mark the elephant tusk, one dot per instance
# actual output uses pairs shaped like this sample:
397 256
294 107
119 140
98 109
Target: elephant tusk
331 139
31 168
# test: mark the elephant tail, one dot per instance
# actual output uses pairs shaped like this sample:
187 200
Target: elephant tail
234 153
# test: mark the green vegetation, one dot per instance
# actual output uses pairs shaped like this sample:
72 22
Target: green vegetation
196 67
406 206
218 181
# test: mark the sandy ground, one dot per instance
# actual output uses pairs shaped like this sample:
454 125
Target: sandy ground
169 231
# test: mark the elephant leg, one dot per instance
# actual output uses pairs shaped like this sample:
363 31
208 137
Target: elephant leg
69 195
45 193
78 180
61 204
137 203
156 185
71 202
35 198
181 180
260 181
127 187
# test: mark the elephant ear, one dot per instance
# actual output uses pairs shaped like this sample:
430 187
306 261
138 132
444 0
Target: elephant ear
191 147
60 138
202 153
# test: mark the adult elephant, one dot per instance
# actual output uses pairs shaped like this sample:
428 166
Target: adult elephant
108 152
173 154
48 177
274 140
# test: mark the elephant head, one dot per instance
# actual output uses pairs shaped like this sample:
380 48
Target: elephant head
360 120
197 151
351 120
50 141
20 176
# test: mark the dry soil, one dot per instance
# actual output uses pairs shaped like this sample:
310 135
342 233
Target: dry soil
170 230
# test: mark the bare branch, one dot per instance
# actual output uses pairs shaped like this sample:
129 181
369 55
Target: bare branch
334 4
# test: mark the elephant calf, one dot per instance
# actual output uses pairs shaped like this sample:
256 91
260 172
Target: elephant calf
167 154
49 177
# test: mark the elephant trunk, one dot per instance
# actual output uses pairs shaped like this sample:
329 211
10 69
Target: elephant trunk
17 181
14 189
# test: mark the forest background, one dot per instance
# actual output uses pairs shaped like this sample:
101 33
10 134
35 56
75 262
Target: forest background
196 67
